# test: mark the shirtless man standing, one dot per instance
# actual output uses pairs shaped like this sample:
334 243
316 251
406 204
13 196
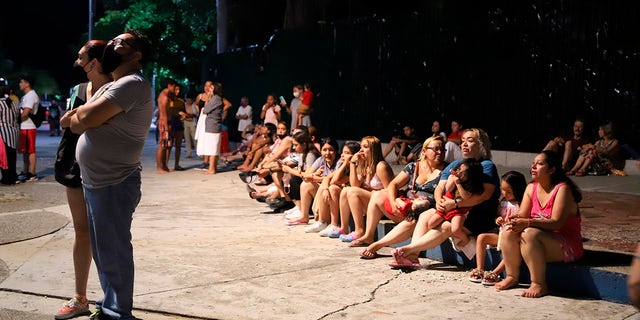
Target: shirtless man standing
164 142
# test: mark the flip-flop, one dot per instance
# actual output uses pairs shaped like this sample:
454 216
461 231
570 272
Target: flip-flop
349 237
368 255
400 262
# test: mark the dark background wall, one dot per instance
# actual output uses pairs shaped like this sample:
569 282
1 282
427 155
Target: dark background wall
521 70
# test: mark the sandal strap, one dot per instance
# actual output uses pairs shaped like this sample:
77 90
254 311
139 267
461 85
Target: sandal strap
477 273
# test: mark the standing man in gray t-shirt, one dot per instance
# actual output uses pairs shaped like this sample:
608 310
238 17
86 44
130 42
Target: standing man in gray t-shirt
114 128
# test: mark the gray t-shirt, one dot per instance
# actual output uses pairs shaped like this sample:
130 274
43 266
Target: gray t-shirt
111 152
213 110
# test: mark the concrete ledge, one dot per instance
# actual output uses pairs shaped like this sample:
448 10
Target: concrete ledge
585 278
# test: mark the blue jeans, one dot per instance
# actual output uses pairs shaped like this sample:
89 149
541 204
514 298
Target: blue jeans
110 211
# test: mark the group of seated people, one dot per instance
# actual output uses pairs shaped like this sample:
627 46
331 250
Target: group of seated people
343 193
582 156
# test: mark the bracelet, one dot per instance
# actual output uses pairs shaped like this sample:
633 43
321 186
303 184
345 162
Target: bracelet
354 162
529 222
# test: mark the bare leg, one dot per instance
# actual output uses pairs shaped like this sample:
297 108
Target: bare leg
277 181
32 163
375 211
551 145
255 159
458 231
345 210
213 165
323 209
390 147
358 200
161 159
402 231
483 240
334 204
510 245
424 238
307 191
539 247
81 243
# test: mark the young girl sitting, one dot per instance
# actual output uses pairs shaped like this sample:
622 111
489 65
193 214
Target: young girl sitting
465 181
512 185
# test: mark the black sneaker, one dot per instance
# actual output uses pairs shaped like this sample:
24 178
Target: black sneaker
22 177
98 315
31 177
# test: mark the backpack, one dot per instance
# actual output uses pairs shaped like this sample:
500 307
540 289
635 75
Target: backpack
66 169
39 116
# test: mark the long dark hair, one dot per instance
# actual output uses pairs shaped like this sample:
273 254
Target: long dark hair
518 183
303 138
271 130
471 179
558 175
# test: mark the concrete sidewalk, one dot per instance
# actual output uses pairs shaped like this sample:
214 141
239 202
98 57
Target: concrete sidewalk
203 250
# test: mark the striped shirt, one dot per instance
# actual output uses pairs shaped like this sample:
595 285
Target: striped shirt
9 122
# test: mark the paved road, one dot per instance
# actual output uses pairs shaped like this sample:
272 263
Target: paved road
203 250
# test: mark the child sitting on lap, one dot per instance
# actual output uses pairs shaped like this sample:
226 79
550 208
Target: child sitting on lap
465 181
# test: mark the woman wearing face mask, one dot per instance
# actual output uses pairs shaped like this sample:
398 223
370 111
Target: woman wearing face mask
292 109
67 173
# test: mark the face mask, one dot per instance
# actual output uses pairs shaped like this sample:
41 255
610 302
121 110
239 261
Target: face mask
78 74
296 94
110 59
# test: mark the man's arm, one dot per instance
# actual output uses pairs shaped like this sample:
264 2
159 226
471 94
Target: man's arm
93 114
25 114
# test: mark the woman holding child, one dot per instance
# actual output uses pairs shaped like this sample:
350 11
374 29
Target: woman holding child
475 144
417 180
546 228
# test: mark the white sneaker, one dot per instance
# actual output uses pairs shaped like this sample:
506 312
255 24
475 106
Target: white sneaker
315 227
325 231
292 213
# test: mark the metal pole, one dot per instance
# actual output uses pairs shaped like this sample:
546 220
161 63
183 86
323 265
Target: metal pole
221 15
91 4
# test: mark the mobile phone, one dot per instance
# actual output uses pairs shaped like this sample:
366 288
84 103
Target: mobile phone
282 99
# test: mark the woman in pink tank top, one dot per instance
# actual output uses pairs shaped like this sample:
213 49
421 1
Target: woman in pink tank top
546 228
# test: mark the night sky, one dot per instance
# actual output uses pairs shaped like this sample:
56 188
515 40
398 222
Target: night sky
53 46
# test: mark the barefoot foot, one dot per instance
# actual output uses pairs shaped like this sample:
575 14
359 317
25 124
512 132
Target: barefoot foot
536 290
507 283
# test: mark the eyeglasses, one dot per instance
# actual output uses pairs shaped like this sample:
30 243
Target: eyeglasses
434 149
120 41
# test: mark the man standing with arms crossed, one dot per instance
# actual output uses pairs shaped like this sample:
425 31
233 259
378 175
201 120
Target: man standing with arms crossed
114 127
